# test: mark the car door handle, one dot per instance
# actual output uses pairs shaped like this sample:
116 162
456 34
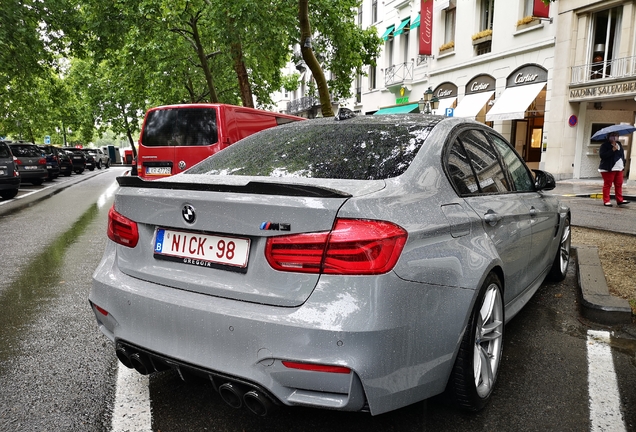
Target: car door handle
492 218
533 211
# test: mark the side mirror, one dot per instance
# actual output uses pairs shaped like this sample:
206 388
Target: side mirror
543 180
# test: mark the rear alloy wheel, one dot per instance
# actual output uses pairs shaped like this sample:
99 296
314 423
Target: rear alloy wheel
475 371
562 259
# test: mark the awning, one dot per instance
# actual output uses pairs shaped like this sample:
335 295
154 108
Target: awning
388 32
400 29
514 101
443 104
471 104
400 109
416 22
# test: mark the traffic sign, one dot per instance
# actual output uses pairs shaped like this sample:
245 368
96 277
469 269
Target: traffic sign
449 112
47 139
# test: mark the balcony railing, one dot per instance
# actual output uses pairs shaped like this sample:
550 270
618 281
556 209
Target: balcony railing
303 104
618 68
398 74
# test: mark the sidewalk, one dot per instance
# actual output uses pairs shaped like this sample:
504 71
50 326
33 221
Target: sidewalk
598 304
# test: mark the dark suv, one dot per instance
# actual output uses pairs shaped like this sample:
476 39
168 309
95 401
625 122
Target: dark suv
78 158
52 161
9 177
30 162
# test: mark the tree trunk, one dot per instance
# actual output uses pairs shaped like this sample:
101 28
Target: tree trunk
310 59
203 59
236 51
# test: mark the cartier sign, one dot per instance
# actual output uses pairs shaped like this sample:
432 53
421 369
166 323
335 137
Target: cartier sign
445 90
480 83
528 74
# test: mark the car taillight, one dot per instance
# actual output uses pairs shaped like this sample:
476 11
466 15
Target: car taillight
121 229
17 161
353 247
42 161
316 367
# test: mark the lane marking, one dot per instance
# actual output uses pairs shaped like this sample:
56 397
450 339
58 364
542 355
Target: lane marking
131 411
605 402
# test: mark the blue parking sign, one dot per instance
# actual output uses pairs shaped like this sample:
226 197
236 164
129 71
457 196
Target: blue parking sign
47 139
449 112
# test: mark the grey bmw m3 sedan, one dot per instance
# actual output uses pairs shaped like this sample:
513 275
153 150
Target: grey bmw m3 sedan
351 263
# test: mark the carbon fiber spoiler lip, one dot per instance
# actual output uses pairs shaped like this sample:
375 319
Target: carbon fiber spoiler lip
259 188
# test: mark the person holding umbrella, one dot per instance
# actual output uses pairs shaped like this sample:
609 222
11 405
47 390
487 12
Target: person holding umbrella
611 167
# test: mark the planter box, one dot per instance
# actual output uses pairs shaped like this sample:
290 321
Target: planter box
482 40
532 23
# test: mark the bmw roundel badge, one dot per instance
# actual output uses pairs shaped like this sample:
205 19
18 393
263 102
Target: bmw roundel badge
188 214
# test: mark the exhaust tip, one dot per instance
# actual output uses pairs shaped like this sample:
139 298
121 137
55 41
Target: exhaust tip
231 394
141 363
124 356
257 403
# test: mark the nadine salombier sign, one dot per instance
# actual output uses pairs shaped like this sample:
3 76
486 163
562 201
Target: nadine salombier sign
595 92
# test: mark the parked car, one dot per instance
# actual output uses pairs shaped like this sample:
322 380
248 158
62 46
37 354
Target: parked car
357 263
52 161
78 158
91 163
30 161
101 158
66 161
9 177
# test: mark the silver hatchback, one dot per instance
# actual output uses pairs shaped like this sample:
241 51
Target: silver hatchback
358 264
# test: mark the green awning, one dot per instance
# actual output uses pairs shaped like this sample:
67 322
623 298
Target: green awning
400 109
416 22
401 27
388 32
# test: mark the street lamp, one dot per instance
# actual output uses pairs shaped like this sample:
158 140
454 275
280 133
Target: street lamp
428 102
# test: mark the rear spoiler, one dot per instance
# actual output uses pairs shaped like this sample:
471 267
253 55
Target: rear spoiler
259 188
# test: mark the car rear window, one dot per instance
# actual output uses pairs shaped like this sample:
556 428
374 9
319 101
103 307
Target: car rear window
346 149
4 151
25 150
180 127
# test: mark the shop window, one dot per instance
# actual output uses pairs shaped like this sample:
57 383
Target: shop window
605 39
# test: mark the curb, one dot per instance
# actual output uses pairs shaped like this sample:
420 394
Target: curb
595 195
598 304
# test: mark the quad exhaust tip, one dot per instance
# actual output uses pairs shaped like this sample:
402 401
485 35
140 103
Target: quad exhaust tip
232 393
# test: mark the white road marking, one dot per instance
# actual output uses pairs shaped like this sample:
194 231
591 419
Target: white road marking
132 402
605 402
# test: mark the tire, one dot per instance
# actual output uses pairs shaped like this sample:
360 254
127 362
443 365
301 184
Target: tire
99 165
477 364
8 194
108 163
559 269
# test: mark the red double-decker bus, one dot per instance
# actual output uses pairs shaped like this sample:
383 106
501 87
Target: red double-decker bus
175 137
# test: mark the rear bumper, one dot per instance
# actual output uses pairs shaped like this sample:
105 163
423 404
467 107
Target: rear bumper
399 338
35 174
9 183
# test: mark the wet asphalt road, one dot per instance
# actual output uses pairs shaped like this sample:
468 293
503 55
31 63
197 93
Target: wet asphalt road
58 373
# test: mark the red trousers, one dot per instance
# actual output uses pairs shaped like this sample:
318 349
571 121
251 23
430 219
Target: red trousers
615 178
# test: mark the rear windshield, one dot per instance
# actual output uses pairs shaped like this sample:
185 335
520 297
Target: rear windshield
26 150
180 127
4 151
318 149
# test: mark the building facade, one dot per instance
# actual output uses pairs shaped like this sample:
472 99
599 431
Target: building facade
545 77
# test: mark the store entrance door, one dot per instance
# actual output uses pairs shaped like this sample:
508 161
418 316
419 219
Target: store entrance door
528 135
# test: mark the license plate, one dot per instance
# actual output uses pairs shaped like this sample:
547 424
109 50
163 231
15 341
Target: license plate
158 170
30 167
202 250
